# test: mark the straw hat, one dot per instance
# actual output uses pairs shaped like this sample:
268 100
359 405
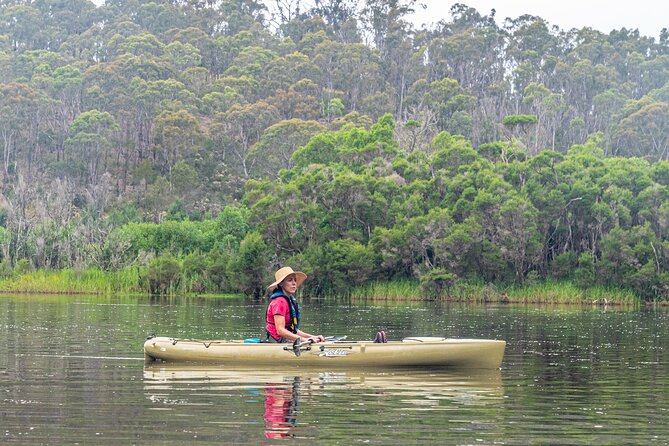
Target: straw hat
285 272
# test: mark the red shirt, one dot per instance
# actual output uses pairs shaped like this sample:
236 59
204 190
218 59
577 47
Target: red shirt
278 306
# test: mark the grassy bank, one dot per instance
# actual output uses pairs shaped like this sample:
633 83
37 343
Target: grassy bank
539 292
95 281
91 281
69 281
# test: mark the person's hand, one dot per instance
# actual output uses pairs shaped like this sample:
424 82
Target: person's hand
316 339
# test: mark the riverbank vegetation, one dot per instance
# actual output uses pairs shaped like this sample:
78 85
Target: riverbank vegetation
194 147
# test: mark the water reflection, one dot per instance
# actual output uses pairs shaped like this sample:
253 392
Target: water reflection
285 397
72 372
281 408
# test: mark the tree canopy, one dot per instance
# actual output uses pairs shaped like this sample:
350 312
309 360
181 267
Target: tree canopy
342 137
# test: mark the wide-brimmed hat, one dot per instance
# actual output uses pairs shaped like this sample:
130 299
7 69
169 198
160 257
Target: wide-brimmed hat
285 272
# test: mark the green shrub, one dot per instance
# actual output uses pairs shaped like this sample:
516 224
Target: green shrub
163 275
22 267
563 265
437 283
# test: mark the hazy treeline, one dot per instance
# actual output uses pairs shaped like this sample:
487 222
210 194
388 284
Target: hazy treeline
237 135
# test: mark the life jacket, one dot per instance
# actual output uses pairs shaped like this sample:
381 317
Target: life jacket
294 323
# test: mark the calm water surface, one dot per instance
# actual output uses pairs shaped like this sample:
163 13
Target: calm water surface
72 372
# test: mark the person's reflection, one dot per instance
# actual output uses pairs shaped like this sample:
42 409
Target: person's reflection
281 408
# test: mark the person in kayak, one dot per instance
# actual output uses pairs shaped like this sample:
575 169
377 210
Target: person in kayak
283 311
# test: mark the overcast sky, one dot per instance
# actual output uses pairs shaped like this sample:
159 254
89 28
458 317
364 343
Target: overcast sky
649 16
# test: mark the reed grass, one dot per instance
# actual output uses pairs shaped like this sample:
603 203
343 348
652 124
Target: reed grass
548 291
71 281
127 281
564 292
394 290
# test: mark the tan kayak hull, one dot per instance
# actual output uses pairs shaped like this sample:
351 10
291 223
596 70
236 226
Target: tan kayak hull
411 352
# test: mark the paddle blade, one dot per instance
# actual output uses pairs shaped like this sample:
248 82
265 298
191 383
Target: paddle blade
335 338
296 347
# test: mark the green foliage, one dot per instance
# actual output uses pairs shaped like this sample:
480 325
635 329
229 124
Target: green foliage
352 146
183 177
169 237
249 267
344 264
194 271
23 266
232 225
137 141
516 120
71 281
6 269
584 276
162 275
438 284
563 265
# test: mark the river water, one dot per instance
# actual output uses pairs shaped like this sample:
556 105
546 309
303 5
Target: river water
72 372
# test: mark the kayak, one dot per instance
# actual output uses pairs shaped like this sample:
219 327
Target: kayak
420 380
409 352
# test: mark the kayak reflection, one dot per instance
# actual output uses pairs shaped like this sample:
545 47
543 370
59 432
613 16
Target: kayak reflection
289 398
281 408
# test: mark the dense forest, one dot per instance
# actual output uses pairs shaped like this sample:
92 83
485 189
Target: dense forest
205 143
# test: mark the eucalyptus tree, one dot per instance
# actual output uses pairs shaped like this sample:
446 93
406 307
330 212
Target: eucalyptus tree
140 44
22 24
107 84
403 64
382 17
91 136
275 148
586 81
61 19
65 85
160 17
19 123
549 108
607 108
219 101
530 43
240 15
520 127
645 131
469 49
348 71
236 130
298 101
518 235
206 45
448 103
654 73
177 136
182 56
284 71
340 15
634 258
29 63
250 61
